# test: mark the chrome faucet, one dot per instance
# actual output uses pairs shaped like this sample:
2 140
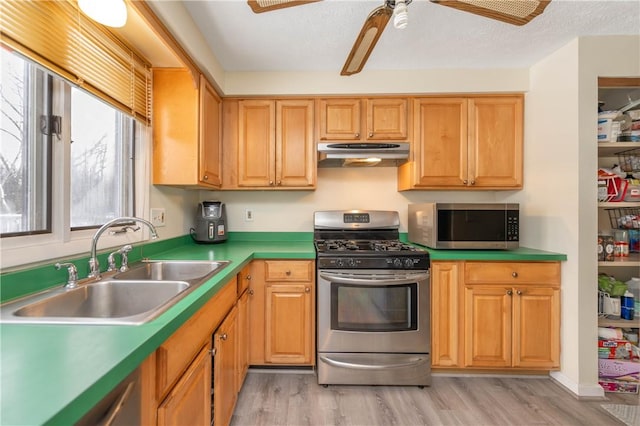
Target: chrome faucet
94 265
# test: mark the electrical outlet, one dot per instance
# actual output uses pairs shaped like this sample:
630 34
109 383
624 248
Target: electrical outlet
157 217
248 215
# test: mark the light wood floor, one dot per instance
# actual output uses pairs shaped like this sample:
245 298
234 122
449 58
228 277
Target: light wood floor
296 399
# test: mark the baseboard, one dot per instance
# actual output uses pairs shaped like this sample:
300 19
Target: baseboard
579 390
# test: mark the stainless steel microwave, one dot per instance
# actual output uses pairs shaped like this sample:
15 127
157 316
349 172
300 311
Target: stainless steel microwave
465 225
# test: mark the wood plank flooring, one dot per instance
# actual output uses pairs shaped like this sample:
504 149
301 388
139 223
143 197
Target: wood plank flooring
294 399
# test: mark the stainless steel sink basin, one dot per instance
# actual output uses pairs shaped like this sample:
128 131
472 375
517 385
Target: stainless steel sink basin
181 270
133 297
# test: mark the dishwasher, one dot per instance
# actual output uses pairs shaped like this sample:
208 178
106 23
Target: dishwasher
122 406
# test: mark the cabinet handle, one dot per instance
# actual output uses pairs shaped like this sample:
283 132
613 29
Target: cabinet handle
205 177
357 135
224 336
473 182
514 274
371 134
270 183
279 183
213 351
509 292
465 181
519 292
307 289
248 278
288 273
251 291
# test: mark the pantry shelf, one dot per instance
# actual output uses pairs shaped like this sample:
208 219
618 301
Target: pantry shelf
632 260
609 149
617 322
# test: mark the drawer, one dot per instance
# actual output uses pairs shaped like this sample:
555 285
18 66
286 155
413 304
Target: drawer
512 273
177 352
288 270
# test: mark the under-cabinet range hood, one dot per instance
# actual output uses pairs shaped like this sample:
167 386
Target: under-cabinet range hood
366 154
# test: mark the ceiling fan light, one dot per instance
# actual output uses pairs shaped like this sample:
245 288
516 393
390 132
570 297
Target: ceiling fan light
112 13
400 15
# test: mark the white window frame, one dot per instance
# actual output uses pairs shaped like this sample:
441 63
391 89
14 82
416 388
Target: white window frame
31 250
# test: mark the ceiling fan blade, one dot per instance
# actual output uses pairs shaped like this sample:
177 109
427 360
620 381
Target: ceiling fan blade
367 39
516 12
259 6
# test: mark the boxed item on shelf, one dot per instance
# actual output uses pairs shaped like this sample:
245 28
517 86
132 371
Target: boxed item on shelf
608 130
618 386
615 349
617 369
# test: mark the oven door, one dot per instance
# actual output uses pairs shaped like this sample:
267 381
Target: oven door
365 311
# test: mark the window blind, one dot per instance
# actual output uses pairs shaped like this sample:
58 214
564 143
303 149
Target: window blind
58 36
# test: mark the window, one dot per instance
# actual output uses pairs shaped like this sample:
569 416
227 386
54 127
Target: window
98 172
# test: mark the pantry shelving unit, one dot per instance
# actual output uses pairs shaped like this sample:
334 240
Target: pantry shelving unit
622 268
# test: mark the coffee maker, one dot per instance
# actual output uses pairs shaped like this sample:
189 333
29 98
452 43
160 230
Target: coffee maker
210 224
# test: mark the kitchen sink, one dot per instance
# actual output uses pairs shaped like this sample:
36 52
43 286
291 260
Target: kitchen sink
180 270
128 298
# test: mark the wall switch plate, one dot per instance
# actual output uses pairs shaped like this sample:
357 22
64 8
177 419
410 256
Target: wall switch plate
157 217
248 215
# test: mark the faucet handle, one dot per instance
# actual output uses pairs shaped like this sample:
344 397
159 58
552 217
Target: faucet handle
125 259
72 280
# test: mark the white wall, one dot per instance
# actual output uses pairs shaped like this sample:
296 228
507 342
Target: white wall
559 200
372 188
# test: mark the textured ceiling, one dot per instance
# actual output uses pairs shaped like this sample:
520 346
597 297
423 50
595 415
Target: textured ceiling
319 36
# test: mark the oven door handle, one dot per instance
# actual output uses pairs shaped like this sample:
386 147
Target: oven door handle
374 279
383 366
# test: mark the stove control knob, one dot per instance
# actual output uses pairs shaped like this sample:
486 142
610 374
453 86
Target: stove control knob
408 263
397 263
339 263
351 263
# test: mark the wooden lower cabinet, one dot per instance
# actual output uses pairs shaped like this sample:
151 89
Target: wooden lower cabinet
505 315
185 402
282 312
446 320
225 394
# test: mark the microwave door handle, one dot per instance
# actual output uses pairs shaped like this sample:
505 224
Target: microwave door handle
374 279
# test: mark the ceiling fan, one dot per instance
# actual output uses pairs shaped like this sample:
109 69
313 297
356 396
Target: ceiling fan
516 12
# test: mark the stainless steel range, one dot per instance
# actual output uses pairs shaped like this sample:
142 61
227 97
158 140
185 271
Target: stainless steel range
373 301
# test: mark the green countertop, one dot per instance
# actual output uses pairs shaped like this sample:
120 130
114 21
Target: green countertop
53 374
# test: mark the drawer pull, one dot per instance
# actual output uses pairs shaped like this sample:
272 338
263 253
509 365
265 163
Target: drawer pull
514 274
288 273
509 292
248 278
224 336
251 291
519 292
307 290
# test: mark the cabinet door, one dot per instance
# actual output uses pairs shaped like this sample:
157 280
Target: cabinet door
440 146
445 321
339 119
487 326
536 327
256 143
288 325
295 148
387 119
210 142
225 366
495 142
189 402
175 128
244 335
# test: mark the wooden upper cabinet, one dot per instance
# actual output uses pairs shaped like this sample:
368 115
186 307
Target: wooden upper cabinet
339 119
465 143
271 144
186 130
387 119
210 167
362 119
495 142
